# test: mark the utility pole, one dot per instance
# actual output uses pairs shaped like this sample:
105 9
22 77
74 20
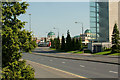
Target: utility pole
30 22
57 29
81 24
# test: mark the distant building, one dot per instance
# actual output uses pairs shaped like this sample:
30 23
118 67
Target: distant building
51 35
85 37
44 41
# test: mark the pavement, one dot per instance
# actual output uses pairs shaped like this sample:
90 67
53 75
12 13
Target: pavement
45 51
43 71
47 67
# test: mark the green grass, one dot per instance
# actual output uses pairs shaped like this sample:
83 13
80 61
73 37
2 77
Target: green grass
107 53
52 48
102 53
79 52
115 54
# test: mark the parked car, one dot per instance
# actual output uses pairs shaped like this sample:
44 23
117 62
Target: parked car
43 44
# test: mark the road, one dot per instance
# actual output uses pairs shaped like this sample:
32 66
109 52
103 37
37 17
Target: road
67 68
103 58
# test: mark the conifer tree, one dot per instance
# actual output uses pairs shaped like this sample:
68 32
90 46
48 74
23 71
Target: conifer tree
57 43
63 43
80 44
15 40
77 44
68 42
115 40
52 43
73 44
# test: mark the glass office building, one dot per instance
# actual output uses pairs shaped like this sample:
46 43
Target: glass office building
103 16
99 21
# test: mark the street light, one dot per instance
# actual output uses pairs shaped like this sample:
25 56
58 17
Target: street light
57 29
30 22
81 24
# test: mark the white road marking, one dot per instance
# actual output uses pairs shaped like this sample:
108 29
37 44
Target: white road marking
113 72
82 66
63 62
51 60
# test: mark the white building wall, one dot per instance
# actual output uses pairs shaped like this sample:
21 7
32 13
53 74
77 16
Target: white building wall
113 17
119 15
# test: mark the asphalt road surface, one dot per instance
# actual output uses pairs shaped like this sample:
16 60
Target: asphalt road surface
50 67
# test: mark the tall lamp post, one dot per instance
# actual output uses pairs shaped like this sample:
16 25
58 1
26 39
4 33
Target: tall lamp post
81 24
30 22
57 29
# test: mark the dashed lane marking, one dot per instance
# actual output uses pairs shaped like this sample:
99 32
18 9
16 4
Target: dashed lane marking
51 60
63 62
82 66
113 72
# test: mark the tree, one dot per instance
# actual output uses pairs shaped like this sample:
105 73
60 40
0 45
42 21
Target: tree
57 43
77 44
115 40
63 43
80 44
52 43
45 40
15 40
68 42
73 44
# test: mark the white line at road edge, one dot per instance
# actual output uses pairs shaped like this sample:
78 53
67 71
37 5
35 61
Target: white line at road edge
60 70
113 72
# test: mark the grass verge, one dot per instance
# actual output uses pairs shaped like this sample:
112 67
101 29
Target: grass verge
107 53
79 52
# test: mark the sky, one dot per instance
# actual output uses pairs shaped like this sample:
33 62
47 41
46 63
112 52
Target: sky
61 15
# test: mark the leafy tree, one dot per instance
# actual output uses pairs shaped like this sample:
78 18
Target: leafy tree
18 70
115 40
15 40
68 42
63 43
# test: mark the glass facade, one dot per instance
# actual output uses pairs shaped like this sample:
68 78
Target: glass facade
99 21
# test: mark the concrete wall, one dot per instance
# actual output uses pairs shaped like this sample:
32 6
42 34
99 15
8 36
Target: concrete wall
103 44
113 17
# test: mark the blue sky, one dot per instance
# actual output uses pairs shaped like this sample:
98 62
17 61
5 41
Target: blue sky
63 15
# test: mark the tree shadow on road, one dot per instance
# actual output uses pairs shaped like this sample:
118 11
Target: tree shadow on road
53 51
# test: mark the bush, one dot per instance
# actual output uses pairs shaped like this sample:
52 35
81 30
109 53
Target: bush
18 70
106 49
87 51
